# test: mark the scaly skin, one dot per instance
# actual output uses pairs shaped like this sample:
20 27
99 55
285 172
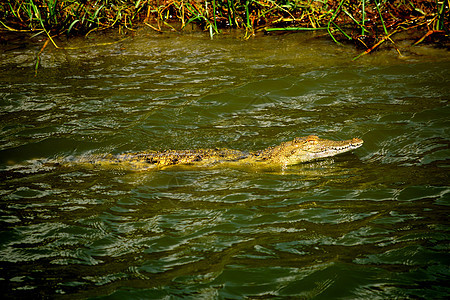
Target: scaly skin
289 153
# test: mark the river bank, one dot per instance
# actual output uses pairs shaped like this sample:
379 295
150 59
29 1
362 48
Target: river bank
364 23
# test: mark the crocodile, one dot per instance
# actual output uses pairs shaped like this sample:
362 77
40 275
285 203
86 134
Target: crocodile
301 149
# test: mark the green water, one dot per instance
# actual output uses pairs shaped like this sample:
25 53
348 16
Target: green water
368 224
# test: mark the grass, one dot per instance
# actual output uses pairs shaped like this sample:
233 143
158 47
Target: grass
365 23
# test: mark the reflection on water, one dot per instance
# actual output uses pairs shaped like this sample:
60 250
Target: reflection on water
372 223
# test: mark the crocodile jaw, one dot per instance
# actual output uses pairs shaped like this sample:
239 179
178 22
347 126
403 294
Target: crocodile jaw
313 147
306 149
332 150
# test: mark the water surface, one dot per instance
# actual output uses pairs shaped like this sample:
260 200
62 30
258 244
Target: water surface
368 224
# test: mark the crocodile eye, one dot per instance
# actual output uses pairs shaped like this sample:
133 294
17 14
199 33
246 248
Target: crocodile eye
312 139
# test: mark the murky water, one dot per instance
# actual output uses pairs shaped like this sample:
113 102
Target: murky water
368 224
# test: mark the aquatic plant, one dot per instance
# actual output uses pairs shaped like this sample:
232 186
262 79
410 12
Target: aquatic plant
365 23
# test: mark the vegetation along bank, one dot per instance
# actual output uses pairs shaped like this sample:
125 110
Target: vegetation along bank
366 23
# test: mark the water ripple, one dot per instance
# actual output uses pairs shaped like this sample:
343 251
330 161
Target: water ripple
367 224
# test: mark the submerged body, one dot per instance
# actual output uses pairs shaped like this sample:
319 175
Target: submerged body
289 153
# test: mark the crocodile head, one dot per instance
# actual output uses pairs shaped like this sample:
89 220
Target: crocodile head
308 148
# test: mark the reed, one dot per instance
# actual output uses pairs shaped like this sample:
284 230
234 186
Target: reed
363 16
363 22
